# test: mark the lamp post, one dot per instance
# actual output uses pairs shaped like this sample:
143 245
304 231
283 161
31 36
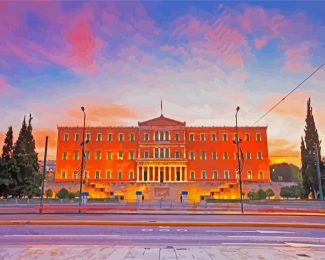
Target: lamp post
82 157
238 161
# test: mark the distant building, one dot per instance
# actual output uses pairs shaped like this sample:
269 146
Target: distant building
162 157
285 172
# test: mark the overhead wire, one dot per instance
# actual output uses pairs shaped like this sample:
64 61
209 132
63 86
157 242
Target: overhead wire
280 101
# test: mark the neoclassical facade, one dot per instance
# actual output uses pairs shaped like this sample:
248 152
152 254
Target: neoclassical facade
161 153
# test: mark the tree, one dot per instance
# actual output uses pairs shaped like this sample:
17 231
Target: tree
6 162
285 192
261 194
49 193
250 195
308 166
269 193
26 175
63 193
8 146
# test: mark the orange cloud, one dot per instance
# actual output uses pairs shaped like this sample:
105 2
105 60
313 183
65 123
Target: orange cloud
294 106
40 135
99 113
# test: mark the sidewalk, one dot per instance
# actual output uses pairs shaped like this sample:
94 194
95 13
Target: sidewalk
263 251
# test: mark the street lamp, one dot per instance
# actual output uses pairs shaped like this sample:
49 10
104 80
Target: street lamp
82 157
237 141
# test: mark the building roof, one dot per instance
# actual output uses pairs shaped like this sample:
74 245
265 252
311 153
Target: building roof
161 121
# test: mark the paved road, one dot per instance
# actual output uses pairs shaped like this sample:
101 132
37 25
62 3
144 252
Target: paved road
158 236
172 218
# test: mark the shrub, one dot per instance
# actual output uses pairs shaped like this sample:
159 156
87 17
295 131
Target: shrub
269 193
261 194
48 193
63 193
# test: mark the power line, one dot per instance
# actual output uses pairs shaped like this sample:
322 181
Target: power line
288 94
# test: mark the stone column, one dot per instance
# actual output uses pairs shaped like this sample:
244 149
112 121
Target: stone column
164 173
138 177
169 174
142 173
185 173
181 173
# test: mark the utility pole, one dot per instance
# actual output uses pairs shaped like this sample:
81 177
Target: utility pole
43 175
239 167
82 156
321 197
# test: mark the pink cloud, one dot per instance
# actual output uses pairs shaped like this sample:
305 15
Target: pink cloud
5 86
260 42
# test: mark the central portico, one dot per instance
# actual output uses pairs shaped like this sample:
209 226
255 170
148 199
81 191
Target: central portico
160 157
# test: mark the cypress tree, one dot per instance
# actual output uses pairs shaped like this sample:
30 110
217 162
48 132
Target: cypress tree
309 172
8 146
26 161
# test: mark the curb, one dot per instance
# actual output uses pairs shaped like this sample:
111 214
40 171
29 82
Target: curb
162 223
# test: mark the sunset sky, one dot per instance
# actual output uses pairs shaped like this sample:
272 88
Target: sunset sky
202 58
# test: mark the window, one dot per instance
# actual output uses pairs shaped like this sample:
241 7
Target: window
109 137
213 137
177 154
99 137
108 155
247 137
248 156
75 155
226 174
176 137
161 152
249 174
235 137
261 175
167 152
161 136
156 153
132 137
203 156
146 136
192 156
108 174
237 174
121 137
202 137
203 174
63 174
87 137
258 137
66 137
156 136
236 157
259 156
224 137
75 174
98 155
119 175
146 154
215 174
131 174
225 156
214 156
131 155
192 175
120 155
167 136
191 137
97 175
86 174
87 155
64 156
76 137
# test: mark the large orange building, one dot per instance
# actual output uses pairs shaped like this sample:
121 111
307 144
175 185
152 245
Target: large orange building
162 157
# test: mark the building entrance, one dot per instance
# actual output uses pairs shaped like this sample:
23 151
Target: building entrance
161 177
